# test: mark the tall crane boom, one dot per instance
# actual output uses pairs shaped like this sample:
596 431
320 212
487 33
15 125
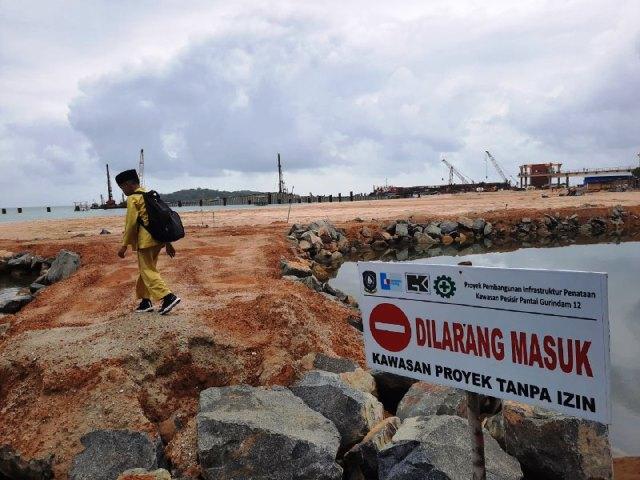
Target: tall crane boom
109 190
497 167
281 186
453 170
141 167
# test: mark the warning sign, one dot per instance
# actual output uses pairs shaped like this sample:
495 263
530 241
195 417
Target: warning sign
534 336
390 327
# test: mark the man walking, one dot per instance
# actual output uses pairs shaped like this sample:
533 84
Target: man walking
150 284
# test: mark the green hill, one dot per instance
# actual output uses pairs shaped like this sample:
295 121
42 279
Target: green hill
196 194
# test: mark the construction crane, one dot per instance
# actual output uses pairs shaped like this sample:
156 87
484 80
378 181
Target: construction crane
110 201
497 167
141 167
453 170
281 186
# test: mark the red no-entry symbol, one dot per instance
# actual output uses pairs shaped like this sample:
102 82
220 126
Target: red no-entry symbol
390 327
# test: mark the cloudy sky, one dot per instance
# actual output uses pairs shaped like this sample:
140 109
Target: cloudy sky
351 94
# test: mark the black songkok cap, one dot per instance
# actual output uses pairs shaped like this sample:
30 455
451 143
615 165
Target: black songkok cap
126 176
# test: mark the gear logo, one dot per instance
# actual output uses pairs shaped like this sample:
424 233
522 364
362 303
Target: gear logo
444 286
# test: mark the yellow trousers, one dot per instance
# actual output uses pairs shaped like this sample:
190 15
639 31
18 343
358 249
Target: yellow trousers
150 283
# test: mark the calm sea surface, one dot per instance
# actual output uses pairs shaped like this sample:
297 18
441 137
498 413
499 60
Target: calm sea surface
622 263
64 212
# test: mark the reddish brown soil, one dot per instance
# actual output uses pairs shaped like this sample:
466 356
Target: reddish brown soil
76 359
626 468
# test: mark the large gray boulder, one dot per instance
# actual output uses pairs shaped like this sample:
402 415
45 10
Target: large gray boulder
447 227
12 300
425 399
402 229
479 224
551 445
64 265
361 462
321 361
352 411
433 230
264 434
438 448
108 453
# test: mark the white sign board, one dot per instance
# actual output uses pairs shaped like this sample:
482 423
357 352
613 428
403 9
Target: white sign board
534 336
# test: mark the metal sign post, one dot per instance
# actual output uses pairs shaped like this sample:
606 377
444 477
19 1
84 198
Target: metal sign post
477 437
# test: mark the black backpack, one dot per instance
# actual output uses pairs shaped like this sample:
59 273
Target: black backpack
164 224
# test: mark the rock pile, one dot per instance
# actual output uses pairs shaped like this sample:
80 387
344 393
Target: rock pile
327 426
461 231
321 247
320 241
50 270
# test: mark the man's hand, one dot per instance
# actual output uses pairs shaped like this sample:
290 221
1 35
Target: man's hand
170 250
122 251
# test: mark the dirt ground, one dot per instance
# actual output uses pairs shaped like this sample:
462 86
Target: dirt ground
76 359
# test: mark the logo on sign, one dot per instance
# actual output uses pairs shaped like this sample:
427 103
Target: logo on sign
390 282
417 283
390 327
444 286
369 281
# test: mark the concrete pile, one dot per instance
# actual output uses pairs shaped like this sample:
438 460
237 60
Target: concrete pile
49 271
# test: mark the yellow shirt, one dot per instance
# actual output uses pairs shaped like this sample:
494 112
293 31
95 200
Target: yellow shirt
134 234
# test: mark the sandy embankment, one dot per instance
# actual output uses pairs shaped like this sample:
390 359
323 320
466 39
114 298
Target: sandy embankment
76 359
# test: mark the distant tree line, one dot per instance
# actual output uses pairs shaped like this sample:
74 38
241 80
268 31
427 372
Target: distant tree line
196 194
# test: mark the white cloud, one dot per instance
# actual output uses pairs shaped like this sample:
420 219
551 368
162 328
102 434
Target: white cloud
350 93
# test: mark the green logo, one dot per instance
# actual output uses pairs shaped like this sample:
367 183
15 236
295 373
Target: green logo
444 286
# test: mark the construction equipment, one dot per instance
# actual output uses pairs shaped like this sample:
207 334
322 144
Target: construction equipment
497 167
454 171
141 167
281 186
110 201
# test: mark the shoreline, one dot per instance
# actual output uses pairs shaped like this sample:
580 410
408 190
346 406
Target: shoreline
498 204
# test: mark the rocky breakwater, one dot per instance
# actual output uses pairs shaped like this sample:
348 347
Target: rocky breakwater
464 231
330 425
25 264
320 249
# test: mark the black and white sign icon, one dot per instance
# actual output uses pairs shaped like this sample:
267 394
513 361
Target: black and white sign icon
417 283
369 281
